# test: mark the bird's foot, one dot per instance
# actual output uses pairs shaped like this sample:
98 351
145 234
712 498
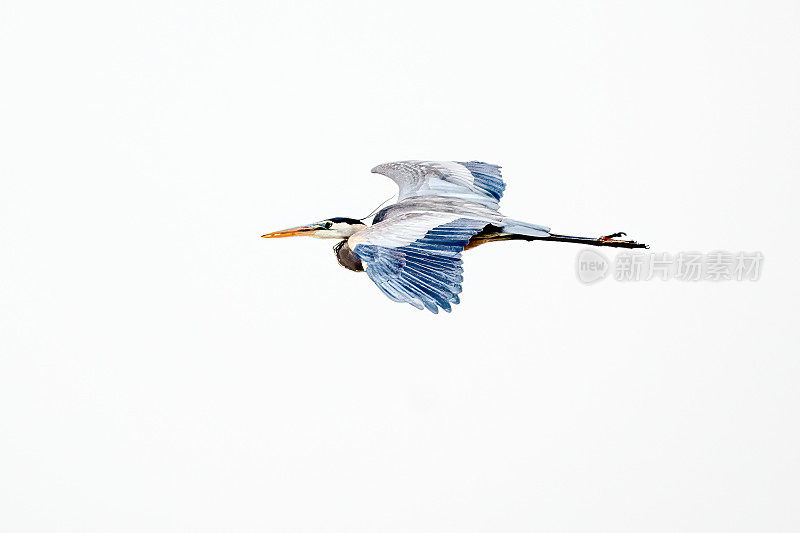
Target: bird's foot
611 240
613 236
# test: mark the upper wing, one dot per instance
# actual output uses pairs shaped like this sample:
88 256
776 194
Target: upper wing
473 181
414 256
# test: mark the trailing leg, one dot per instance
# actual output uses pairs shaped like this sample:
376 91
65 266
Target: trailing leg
494 233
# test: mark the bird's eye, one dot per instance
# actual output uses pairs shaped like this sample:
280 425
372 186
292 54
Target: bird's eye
328 225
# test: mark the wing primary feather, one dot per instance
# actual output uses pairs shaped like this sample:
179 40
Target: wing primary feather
426 272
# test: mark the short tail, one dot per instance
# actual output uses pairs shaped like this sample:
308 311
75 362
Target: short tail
518 227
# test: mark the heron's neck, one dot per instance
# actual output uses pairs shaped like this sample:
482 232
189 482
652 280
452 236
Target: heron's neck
347 258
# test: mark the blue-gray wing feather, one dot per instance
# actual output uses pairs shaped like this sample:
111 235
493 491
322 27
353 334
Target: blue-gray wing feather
472 181
426 273
487 177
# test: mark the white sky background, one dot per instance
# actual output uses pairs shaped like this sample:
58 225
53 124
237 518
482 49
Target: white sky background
162 368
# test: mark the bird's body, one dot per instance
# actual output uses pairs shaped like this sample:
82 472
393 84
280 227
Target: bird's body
412 250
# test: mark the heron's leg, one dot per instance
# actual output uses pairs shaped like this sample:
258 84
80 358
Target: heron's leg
491 235
607 240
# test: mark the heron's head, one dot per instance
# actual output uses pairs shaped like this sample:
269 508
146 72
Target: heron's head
330 228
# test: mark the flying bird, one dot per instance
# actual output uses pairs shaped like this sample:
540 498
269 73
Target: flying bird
412 249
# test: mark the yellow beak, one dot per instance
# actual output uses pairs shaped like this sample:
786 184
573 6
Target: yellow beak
291 232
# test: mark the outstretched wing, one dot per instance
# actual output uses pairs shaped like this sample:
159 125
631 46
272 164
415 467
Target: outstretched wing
473 181
427 272
414 255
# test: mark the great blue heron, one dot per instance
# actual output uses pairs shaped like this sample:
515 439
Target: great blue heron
412 250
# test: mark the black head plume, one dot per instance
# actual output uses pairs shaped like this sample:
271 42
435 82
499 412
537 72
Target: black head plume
345 220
